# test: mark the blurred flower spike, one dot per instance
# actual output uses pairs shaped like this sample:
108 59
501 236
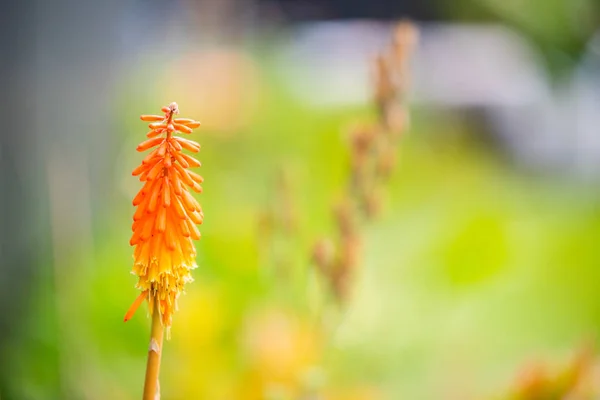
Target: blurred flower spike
164 223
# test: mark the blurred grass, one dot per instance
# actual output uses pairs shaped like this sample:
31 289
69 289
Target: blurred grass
474 267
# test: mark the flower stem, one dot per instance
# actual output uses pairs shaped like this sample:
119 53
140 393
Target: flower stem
151 385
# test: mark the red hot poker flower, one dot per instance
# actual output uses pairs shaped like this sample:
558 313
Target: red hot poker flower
164 223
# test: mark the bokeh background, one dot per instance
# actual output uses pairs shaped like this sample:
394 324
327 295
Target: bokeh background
484 257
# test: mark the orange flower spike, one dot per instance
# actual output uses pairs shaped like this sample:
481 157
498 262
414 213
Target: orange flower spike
167 214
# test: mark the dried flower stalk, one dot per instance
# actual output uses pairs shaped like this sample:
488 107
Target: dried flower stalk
373 158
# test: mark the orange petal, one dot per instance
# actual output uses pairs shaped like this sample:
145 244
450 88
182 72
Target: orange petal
136 304
195 176
144 176
135 238
157 169
184 121
141 168
196 217
175 183
161 219
189 202
135 225
147 230
160 152
184 228
166 320
142 254
165 263
196 187
166 192
191 160
183 175
194 231
148 144
169 234
151 118
179 157
175 144
147 188
149 158
154 132
153 201
138 198
141 210
182 128
194 124
157 125
178 208
188 144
